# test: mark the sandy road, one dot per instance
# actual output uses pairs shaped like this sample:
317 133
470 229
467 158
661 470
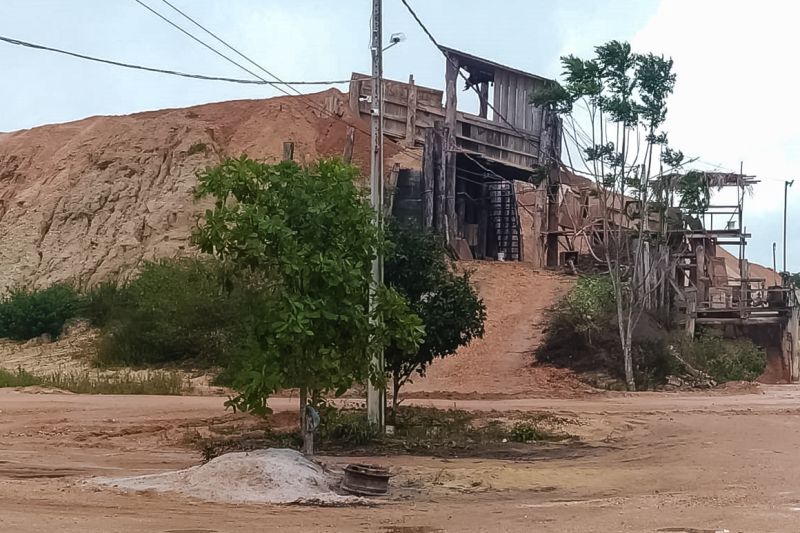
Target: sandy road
645 463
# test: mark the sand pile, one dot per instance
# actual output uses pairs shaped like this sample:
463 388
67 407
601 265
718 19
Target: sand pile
261 476
88 201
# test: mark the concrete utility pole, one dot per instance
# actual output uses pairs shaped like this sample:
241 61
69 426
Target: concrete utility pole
376 396
786 185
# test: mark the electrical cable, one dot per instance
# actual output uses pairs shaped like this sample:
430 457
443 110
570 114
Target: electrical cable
206 45
35 46
304 97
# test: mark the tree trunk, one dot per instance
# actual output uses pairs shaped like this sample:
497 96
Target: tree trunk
625 333
395 394
308 436
628 356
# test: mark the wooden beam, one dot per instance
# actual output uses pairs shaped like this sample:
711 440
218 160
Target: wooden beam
428 177
483 91
439 177
349 142
288 151
355 95
411 113
394 175
451 78
483 223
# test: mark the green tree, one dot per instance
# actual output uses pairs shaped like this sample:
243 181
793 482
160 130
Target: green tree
453 314
309 231
25 314
621 99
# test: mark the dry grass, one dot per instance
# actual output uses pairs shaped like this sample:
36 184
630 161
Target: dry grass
86 382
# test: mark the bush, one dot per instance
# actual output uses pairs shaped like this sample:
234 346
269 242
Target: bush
345 427
26 314
20 378
174 311
583 336
725 359
586 308
100 302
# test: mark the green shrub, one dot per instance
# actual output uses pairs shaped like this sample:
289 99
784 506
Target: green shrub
20 378
340 426
174 311
26 314
725 359
583 335
100 302
586 308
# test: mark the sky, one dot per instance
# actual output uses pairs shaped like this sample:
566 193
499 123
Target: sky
734 62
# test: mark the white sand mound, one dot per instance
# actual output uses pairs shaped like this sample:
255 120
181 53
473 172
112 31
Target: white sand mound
261 476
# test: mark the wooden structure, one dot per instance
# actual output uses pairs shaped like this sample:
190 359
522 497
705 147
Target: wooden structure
470 161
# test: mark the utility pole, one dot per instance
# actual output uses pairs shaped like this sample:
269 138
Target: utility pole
774 260
786 185
376 396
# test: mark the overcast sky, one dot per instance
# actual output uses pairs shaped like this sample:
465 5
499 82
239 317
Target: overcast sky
735 63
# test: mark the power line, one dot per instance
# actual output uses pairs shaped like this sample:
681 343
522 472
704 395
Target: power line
206 45
35 46
226 44
276 83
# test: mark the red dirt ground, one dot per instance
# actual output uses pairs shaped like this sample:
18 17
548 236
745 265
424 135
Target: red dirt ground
502 363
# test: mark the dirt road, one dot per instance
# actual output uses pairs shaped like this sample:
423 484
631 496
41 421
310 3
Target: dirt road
646 462
516 298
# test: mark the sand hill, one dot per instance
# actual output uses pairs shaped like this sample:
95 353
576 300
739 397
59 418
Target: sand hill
90 200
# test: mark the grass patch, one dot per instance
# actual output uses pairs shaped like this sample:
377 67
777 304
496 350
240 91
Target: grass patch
157 382
20 378
418 430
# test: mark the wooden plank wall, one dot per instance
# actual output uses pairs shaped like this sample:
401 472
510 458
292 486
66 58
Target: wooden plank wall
490 138
512 93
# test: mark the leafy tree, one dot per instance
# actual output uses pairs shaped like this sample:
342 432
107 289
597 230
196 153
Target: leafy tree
172 311
25 314
309 231
791 278
621 99
453 314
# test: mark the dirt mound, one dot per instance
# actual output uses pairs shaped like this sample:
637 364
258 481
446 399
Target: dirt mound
501 364
261 476
90 200
72 352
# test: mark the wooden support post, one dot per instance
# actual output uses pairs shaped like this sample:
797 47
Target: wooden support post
691 311
461 209
451 78
411 116
355 95
394 175
439 177
548 158
349 142
551 245
483 90
483 223
700 274
288 151
428 177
